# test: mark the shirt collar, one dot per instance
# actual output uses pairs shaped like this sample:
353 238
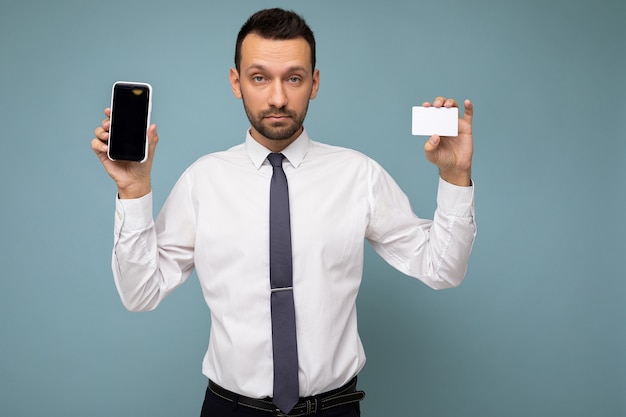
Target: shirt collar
295 152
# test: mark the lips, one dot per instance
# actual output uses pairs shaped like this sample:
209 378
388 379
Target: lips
276 113
277 119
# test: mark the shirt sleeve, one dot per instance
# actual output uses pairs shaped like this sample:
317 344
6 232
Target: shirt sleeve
149 261
434 251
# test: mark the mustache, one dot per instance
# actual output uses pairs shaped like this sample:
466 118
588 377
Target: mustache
276 111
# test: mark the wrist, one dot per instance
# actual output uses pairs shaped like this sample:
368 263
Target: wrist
460 178
133 191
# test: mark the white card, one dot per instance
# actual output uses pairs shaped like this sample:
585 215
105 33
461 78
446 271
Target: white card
442 121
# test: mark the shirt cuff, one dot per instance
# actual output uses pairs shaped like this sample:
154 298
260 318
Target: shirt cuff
133 214
455 200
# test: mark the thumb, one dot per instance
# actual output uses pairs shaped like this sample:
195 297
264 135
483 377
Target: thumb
432 143
430 148
153 139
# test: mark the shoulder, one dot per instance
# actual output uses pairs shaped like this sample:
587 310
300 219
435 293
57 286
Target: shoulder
342 155
232 155
218 161
319 149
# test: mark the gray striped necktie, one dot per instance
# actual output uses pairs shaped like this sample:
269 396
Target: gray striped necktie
286 390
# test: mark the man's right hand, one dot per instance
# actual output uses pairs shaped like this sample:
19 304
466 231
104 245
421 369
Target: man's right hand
132 178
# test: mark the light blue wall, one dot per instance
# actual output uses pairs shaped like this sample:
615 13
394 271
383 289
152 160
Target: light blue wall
537 329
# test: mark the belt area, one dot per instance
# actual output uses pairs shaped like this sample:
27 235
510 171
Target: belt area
305 407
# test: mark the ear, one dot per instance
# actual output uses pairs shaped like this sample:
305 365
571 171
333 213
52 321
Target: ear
316 84
235 84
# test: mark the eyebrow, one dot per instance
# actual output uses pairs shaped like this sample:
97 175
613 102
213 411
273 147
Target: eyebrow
261 67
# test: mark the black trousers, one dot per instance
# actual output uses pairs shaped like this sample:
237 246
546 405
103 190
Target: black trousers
215 406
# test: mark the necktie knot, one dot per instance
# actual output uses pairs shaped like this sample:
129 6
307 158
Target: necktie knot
276 159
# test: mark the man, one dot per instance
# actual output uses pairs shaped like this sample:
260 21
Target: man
220 219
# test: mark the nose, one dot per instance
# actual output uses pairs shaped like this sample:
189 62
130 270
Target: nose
278 96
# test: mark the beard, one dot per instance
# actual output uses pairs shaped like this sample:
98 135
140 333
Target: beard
276 130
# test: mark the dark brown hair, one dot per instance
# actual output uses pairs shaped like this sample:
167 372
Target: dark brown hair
276 24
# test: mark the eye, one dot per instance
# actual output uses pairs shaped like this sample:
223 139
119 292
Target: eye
258 78
294 80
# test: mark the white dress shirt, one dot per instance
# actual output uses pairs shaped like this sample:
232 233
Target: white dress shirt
216 220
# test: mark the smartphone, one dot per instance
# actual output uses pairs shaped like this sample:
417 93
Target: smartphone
131 105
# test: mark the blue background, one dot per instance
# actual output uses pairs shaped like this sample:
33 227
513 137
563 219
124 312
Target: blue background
537 329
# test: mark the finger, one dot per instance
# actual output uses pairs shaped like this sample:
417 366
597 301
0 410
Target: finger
468 112
101 134
107 112
439 101
98 146
106 124
450 103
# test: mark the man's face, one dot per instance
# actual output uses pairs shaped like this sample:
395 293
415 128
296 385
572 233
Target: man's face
275 82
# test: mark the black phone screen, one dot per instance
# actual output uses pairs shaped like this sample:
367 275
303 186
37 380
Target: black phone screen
129 121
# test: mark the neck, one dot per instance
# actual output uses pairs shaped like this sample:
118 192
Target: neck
274 145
